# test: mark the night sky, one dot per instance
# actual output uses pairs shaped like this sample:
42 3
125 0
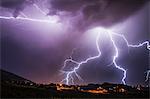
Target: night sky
37 50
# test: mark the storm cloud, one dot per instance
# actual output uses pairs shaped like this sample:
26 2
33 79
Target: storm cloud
98 12
37 50
92 12
16 5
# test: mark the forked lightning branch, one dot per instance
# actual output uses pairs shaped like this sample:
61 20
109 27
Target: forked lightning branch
69 78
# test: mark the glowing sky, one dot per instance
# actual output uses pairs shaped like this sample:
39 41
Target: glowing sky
36 50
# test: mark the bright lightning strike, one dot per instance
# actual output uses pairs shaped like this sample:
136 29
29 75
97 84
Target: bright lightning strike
147 43
27 19
69 74
129 45
147 75
115 57
74 71
51 19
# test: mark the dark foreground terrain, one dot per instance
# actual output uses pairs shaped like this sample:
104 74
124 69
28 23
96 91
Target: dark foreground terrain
13 86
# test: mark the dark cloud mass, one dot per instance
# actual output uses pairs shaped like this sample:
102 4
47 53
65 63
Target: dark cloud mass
11 3
99 12
37 50
94 12
16 5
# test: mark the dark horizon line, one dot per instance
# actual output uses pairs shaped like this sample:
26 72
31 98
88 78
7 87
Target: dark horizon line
68 84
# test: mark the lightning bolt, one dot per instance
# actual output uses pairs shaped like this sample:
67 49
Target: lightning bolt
69 74
129 45
147 43
147 75
115 57
74 71
26 19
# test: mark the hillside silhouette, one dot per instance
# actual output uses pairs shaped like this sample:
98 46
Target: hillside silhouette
14 86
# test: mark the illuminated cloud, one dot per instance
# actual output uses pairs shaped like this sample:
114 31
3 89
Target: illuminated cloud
35 45
16 5
97 12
